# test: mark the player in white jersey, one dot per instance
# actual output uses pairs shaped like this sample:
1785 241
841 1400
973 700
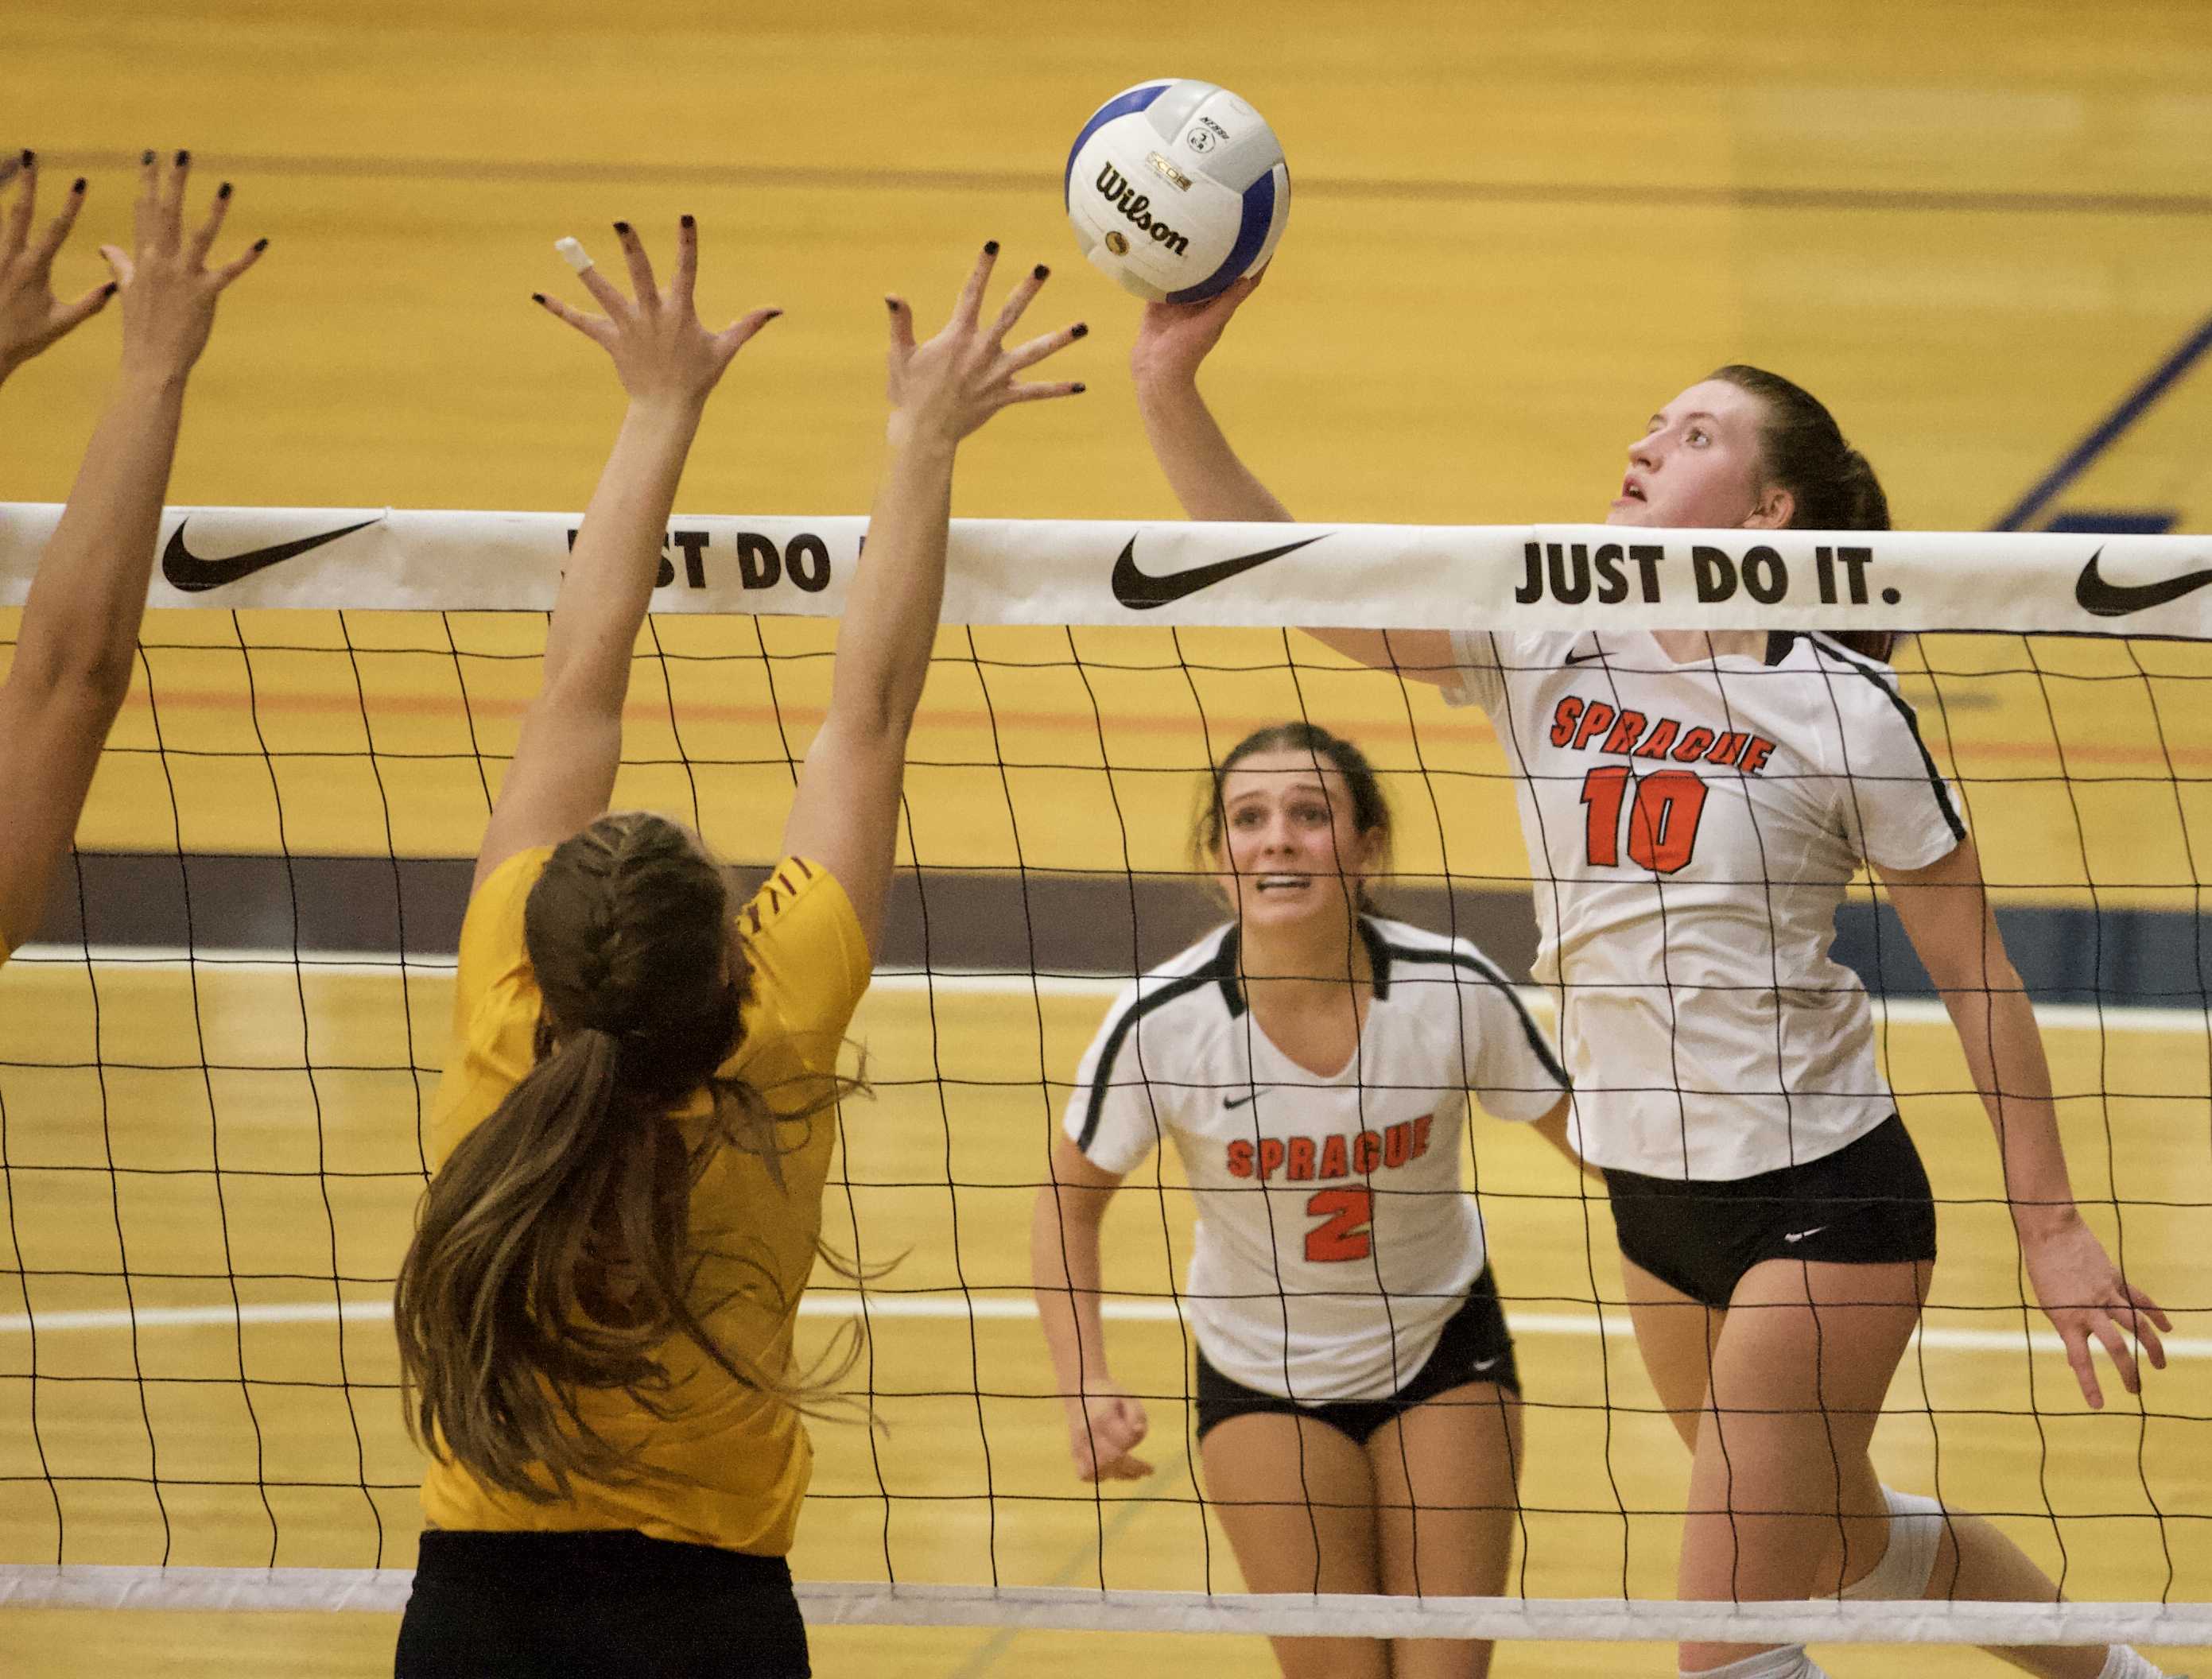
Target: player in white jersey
1697 804
1358 1412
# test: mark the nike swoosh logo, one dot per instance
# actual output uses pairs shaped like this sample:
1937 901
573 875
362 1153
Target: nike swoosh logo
1141 592
1485 1363
187 571
1584 659
1240 1101
2093 593
1800 1235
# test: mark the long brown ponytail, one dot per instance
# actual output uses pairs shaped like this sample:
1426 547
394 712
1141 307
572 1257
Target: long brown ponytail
1833 486
553 1255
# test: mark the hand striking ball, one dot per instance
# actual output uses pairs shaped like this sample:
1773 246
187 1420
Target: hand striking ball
1177 189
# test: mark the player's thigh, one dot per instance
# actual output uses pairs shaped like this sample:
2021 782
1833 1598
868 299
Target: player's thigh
1676 1336
1296 1498
1783 1493
1446 1477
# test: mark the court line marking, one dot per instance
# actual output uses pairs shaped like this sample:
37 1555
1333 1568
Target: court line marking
163 958
837 1303
1548 194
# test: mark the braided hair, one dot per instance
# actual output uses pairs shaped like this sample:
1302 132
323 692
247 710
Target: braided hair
553 1255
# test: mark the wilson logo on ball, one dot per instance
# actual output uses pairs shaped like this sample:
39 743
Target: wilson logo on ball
1137 207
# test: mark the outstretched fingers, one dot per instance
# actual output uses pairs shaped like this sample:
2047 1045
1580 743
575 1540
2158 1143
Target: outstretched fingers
684 284
204 238
1024 356
969 308
57 230
18 227
1018 301
739 333
644 289
169 211
902 342
68 317
238 264
598 328
1042 393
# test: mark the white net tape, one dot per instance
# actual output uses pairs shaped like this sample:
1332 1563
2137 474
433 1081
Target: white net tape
1072 572
863 1603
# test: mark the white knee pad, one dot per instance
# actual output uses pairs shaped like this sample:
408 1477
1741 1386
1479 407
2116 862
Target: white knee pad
2122 1662
1916 1529
1791 1661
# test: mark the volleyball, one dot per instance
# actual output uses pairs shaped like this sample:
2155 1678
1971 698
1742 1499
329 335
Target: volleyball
1177 189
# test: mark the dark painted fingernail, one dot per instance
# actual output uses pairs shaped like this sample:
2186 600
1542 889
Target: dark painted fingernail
77 185
145 157
261 245
1078 390
108 290
622 228
223 192
773 314
1079 330
183 157
891 304
537 297
30 157
690 220
1039 272
990 246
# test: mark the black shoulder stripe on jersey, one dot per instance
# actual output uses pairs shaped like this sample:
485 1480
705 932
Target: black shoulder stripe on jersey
1219 968
1378 957
1912 726
1460 959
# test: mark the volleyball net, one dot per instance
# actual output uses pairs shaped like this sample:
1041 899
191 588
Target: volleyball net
216 1062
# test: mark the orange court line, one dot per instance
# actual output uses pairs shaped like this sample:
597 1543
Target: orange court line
302 702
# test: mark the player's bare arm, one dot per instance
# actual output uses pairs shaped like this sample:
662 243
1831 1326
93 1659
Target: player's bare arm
76 648
669 364
845 813
1947 912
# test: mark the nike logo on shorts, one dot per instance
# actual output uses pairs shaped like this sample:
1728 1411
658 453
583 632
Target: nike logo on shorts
188 572
1248 1098
1800 1235
1140 590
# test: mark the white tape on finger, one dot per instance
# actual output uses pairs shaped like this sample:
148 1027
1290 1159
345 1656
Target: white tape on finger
574 254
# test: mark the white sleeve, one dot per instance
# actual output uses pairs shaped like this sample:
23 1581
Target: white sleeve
1116 1116
1898 809
1480 658
1510 1064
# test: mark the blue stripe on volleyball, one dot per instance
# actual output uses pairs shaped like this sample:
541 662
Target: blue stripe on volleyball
1259 212
1119 106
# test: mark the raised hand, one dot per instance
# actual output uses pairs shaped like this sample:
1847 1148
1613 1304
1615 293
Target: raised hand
31 316
2086 1298
1105 1424
659 349
168 292
1174 338
944 389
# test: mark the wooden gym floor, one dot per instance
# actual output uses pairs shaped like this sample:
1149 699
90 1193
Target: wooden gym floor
1972 229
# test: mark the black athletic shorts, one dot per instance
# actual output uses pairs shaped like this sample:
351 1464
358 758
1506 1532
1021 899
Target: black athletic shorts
614 1604
1869 1204
1475 1347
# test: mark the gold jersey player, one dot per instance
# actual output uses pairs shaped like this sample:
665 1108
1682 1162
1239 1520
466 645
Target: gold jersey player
1696 806
79 637
596 1316
1358 1410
